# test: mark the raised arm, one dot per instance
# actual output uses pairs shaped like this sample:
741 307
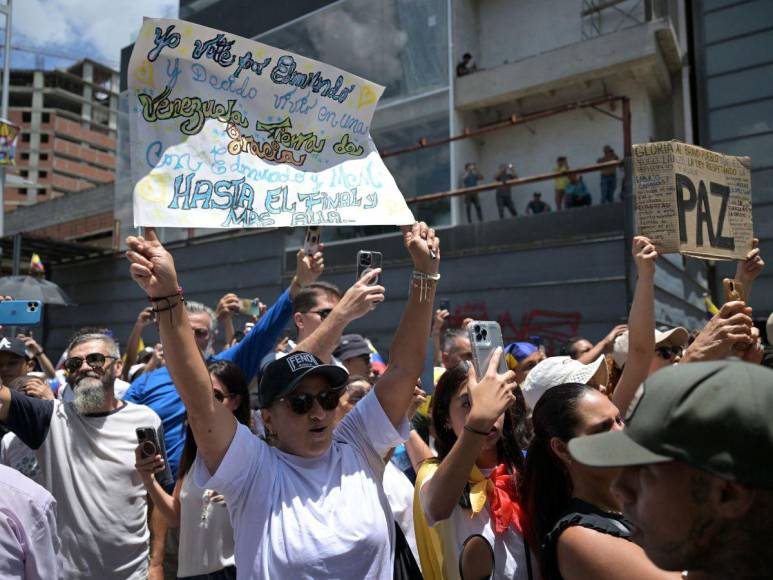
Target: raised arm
747 270
603 346
144 318
409 346
641 326
489 398
152 267
227 306
437 331
358 300
248 353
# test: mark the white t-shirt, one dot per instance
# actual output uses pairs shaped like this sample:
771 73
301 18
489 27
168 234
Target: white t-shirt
15 454
399 491
87 463
310 518
509 548
206 535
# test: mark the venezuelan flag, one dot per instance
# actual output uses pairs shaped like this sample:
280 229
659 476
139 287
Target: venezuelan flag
711 308
377 362
36 265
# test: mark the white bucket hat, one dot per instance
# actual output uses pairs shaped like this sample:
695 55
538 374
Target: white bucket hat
554 371
675 337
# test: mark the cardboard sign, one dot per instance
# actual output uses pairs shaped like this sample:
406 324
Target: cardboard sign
693 201
227 132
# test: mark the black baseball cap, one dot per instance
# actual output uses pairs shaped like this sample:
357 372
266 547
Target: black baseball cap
281 376
14 346
714 416
351 346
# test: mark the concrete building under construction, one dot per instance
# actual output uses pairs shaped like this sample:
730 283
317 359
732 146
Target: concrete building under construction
67 143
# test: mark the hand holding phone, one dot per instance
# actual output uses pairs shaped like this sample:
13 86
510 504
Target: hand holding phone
20 312
312 240
250 307
151 443
734 290
485 337
367 261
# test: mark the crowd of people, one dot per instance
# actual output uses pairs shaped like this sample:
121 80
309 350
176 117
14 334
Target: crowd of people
570 188
308 455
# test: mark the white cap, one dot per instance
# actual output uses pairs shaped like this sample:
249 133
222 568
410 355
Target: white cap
554 371
675 337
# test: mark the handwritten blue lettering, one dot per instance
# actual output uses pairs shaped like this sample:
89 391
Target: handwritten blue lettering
217 49
201 75
162 40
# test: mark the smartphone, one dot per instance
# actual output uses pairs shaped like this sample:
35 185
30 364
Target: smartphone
734 290
20 312
152 442
367 261
445 304
311 243
485 336
249 307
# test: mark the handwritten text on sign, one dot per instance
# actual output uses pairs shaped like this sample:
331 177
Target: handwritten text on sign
228 132
692 200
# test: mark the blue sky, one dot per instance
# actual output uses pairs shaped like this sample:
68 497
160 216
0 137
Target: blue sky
97 29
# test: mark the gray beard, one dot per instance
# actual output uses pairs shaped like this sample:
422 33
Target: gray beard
89 396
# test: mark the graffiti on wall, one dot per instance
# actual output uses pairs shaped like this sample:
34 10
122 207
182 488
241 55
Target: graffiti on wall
554 327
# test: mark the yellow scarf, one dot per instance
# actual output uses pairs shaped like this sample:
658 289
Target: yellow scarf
480 488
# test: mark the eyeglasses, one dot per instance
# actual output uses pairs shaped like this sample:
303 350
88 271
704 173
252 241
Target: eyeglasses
96 360
303 402
201 332
324 313
667 352
220 396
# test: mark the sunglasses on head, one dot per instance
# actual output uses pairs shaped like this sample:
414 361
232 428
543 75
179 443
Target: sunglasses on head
324 313
302 403
96 360
667 352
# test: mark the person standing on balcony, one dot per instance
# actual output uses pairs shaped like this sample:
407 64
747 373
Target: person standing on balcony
471 178
608 175
504 192
562 166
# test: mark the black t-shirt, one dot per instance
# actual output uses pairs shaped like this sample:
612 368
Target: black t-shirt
580 513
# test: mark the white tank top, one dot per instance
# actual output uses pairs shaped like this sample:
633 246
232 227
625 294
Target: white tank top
206 536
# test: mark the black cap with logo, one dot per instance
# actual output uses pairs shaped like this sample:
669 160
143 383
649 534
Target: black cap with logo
714 416
282 376
14 346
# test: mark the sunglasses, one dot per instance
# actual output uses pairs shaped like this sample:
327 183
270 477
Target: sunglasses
302 403
201 332
324 313
220 396
96 360
667 352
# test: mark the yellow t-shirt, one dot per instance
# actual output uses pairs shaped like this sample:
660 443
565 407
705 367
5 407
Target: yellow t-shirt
563 181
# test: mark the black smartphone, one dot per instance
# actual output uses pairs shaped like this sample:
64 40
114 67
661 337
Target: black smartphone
152 443
311 242
367 261
445 304
485 336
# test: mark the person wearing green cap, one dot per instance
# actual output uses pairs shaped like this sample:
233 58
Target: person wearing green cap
696 480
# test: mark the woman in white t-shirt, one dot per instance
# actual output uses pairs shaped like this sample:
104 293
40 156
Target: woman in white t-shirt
310 504
480 430
206 536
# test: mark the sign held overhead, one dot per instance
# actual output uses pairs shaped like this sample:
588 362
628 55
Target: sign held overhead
693 201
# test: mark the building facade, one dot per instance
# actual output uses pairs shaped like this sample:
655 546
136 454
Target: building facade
68 120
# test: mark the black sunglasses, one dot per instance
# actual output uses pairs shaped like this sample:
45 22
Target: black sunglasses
96 360
324 313
666 352
201 332
220 396
303 402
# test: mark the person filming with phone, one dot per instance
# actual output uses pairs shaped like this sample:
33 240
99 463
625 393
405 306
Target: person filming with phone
308 502
85 449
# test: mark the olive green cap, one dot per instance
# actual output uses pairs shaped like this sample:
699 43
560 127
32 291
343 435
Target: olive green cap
714 416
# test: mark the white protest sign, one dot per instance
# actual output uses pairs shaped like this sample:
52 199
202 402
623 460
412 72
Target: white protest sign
693 201
228 132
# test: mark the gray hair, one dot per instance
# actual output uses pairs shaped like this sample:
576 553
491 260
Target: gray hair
198 308
450 337
112 345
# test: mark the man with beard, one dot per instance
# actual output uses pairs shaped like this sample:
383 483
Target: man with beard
696 482
86 453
